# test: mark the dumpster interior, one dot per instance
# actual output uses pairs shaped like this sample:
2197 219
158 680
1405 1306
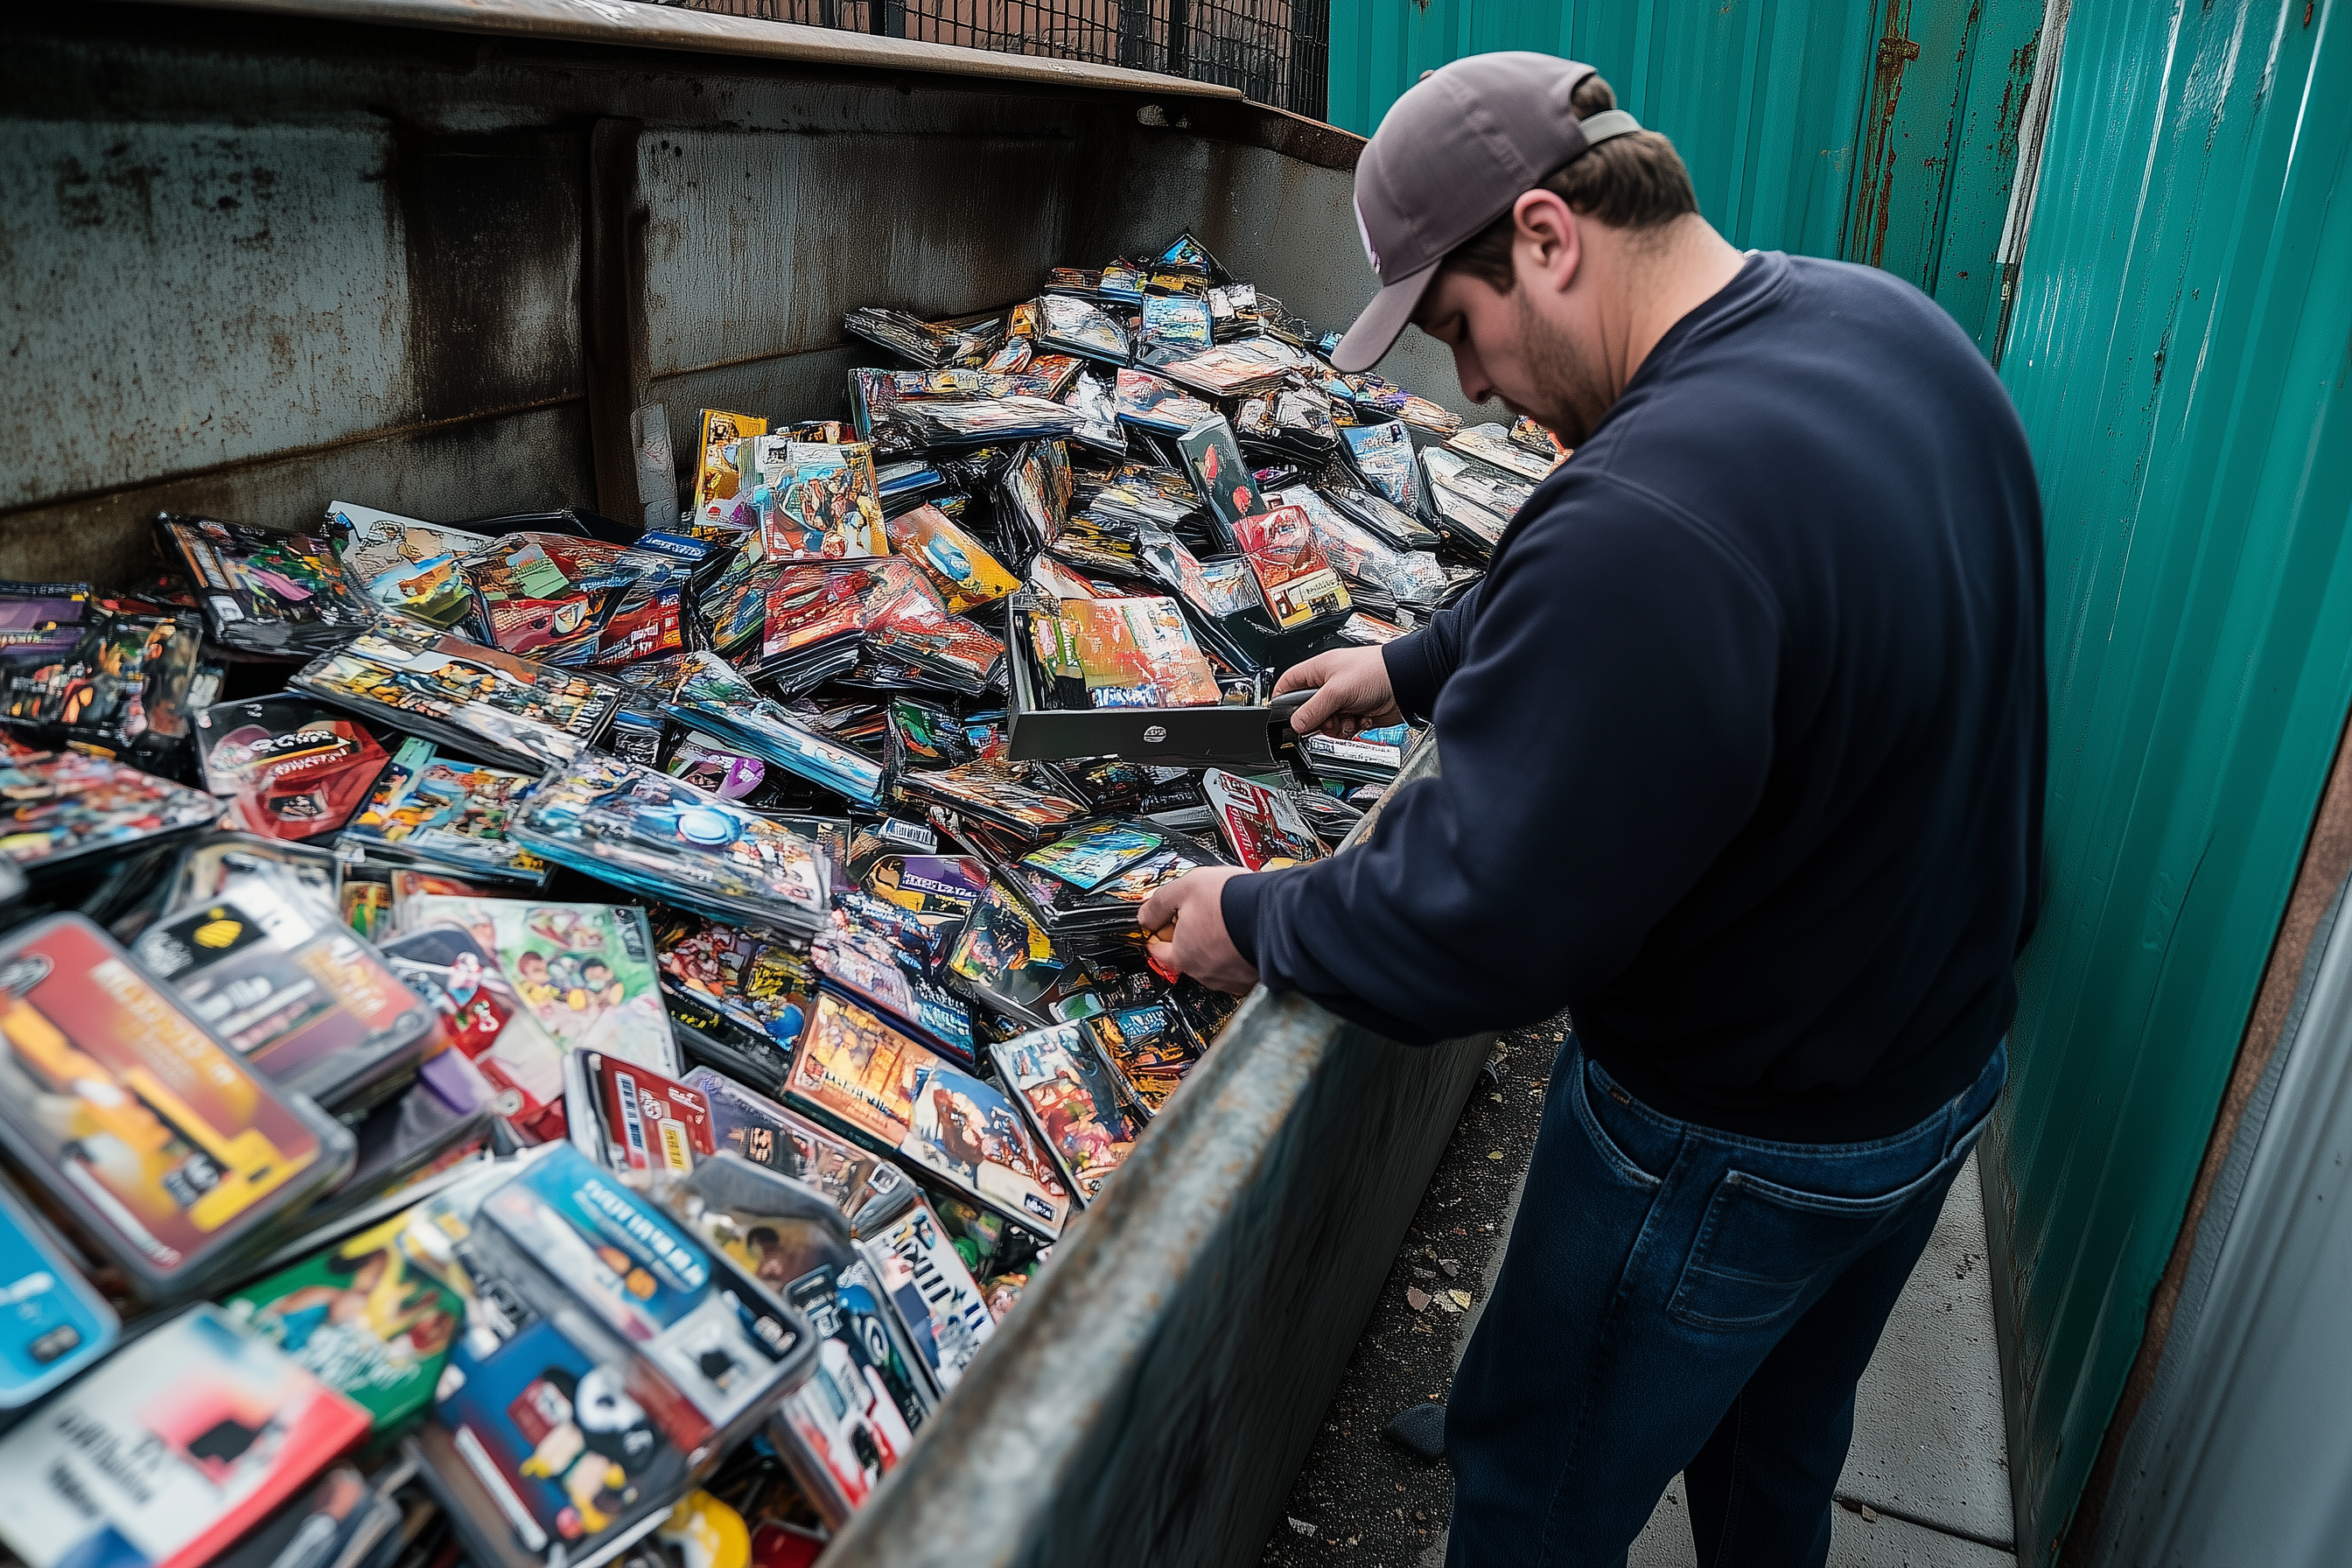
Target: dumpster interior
610 618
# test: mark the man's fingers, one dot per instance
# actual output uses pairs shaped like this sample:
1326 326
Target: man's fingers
1307 672
1159 908
1313 712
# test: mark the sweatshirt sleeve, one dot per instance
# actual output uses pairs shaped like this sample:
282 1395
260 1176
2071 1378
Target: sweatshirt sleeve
1606 730
1419 662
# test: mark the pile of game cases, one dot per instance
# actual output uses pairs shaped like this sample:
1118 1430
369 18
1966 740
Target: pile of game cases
542 1042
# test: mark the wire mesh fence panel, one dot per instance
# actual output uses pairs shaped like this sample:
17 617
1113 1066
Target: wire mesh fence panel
1275 51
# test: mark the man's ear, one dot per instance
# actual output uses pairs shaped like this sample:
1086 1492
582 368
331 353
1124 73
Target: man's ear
1547 241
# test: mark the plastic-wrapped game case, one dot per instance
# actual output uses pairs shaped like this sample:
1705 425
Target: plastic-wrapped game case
1408 576
1228 370
1092 852
57 809
569 1236
293 991
1004 957
989 791
1077 326
668 840
290 768
1494 445
565 601
1125 652
56 1325
1296 581
1260 825
705 691
584 972
1147 401
402 565
936 1302
483 701
1221 474
360 1317
937 889
869 970
759 981
165 1146
1398 528
180 1443
265 592
438 811
720 499
815 501
1176 322
216 865
965 1131
652 1124
1382 454
958 565
1148 1050
486 1021
857 1072
851 1179
1072 1100
562 1440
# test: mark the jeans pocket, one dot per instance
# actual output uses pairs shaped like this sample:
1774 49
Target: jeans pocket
1762 1246
1619 1163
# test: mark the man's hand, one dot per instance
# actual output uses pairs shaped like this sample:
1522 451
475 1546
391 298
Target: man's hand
1198 946
1355 692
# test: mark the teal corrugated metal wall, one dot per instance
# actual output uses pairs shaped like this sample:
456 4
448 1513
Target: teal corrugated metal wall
2180 354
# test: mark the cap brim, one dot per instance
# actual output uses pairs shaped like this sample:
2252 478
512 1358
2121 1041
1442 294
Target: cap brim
1383 320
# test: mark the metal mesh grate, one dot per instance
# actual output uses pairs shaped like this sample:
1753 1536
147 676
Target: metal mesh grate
1276 51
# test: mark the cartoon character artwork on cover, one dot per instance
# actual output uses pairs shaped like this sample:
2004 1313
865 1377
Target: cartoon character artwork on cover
1072 1101
1149 1048
559 1435
527 711
402 565
486 1021
53 808
1220 473
815 501
361 1318
958 565
584 972
108 1083
1261 826
1296 581
964 1128
721 504
290 768
180 1443
1383 455
757 979
859 1072
752 1125
124 681
266 591
1004 954
451 811
568 601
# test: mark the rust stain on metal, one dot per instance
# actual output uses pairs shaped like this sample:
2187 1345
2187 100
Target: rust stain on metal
1876 169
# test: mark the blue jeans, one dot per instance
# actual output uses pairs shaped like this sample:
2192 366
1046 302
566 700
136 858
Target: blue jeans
1680 1299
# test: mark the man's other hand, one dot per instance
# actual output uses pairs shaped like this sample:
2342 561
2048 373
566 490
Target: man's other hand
1355 694
1198 946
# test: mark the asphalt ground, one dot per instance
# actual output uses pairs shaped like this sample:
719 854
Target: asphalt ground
1358 1501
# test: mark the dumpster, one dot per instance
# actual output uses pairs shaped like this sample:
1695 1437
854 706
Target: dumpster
438 256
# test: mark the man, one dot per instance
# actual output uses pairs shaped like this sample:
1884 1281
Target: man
1743 745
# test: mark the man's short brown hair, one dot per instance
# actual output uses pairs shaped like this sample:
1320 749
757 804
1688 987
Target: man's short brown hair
1632 182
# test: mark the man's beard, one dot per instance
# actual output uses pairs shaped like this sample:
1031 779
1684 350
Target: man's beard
1570 393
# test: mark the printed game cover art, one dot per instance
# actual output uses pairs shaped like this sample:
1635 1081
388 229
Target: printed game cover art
704 690
815 501
1178 323
531 715
1149 1049
585 972
653 1124
1072 1100
164 1138
846 1429
1005 956
669 841
869 970
128 680
720 498
304 1000
1077 326
1260 825
265 592
402 565
958 565
53 807
1296 581
965 1130
1092 855
486 1020
988 790
447 811
759 980
937 1301
289 768
563 600
180 1443
1382 454
1128 653
562 1441
1220 473
764 1132
857 1072
55 1326
362 1321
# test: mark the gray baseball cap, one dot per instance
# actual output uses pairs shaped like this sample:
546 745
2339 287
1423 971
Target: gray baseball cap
1451 157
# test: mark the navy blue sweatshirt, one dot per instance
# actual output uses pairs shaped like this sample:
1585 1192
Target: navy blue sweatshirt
1742 738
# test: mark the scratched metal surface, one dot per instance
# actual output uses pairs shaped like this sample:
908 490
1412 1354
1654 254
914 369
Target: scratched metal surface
258 258
1154 1393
